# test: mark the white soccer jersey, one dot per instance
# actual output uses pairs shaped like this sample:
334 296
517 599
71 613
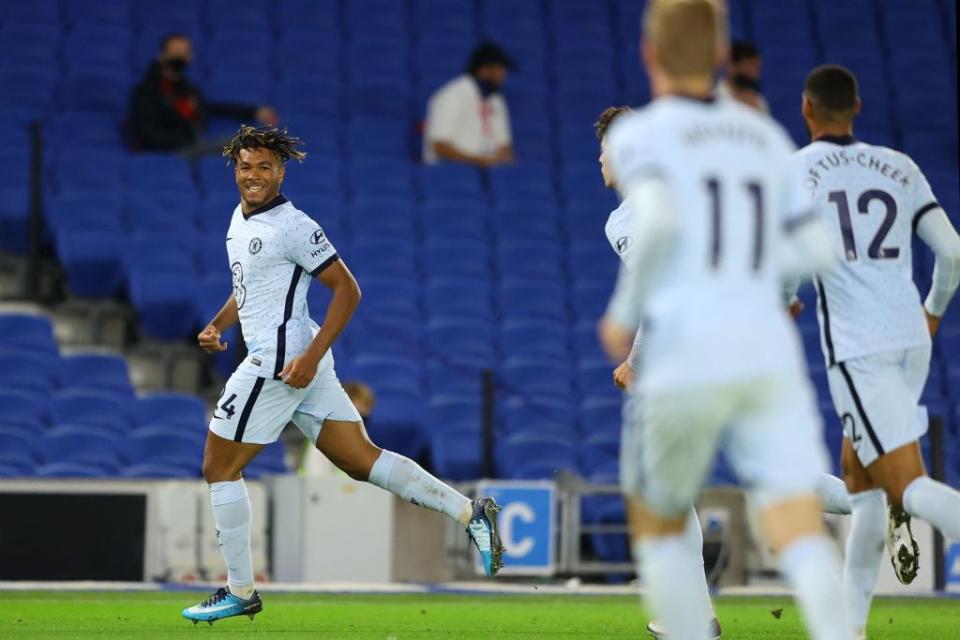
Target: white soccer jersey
712 311
871 199
273 253
619 230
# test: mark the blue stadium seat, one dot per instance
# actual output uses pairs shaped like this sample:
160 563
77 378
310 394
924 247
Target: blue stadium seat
270 461
459 372
109 411
165 171
391 296
601 413
553 412
589 298
513 181
534 338
75 129
159 445
446 409
379 98
526 221
171 409
455 295
460 335
375 178
456 454
598 449
535 456
156 209
532 376
390 374
449 218
28 332
73 470
449 180
395 423
103 89
595 379
75 172
456 257
382 217
84 210
315 96
532 259
29 371
80 444
532 298
594 260
166 302
155 471
162 250
315 15
92 260
379 138
95 371
237 79
212 253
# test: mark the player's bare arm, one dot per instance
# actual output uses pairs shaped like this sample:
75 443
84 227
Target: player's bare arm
346 296
209 338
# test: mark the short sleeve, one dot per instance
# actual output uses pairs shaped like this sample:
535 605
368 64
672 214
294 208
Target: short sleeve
632 151
798 205
923 199
308 246
443 114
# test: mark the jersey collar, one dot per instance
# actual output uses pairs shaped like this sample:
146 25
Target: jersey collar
841 140
710 99
273 204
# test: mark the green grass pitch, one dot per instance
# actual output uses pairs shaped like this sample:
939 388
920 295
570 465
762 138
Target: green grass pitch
147 615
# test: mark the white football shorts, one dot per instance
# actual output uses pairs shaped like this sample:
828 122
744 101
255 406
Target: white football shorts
256 409
877 398
769 429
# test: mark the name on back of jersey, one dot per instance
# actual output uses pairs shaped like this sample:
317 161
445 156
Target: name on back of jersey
839 158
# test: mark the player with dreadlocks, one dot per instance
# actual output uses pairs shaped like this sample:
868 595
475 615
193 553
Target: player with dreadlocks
288 374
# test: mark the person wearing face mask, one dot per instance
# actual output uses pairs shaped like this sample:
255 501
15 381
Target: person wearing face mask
467 118
742 79
168 112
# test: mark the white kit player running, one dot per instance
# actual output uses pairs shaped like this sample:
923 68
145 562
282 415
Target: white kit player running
874 330
288 374
719 222
619 232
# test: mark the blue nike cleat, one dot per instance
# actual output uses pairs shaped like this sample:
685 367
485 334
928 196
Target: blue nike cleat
485 533
224 604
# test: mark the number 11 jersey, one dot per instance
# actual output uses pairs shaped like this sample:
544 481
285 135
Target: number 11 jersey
871 199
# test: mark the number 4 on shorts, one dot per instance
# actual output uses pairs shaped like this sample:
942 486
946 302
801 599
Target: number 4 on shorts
228 408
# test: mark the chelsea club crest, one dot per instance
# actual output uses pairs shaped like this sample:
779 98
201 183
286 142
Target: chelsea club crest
255 246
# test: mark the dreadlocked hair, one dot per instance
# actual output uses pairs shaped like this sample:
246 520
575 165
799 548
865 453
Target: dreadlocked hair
272 138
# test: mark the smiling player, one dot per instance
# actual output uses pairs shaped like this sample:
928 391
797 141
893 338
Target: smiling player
288 374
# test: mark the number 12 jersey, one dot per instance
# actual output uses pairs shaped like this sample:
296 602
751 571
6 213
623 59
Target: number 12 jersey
871 199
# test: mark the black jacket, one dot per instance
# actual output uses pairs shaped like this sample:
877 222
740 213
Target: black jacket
156 124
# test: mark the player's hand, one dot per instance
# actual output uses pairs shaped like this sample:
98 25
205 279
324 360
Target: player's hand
623 375
209 340
796 308
299 372
933 323
615 340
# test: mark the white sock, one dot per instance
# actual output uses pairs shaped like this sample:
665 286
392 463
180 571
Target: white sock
812 567
231 513
833 494
936 503
693 537
405 478
672 576
864 552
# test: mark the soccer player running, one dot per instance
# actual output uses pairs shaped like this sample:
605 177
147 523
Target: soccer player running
619 231
720 221
875 331
288 374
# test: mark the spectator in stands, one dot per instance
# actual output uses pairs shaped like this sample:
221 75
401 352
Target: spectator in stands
742 79
467 118
169 113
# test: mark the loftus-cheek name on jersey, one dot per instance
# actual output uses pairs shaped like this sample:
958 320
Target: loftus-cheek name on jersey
842 158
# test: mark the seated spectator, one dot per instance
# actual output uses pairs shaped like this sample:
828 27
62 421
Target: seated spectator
467 118
168 112
742 79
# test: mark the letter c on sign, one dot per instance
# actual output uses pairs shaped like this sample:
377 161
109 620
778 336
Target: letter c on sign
511 512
